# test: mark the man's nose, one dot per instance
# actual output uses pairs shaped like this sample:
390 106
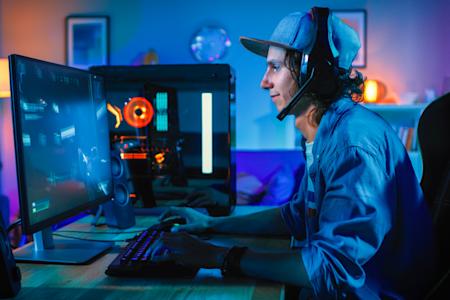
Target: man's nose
266 83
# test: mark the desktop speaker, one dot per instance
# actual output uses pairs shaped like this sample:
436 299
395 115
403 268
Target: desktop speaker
119 211
9 273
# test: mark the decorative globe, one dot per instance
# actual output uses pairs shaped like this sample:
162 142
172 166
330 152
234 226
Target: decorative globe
210 44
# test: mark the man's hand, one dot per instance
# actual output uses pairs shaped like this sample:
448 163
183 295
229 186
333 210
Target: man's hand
187 250
207 197
195 221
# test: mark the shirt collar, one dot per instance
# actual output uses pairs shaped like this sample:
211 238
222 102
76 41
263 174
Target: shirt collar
329 121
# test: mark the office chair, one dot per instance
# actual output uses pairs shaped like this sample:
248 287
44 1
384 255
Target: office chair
434 140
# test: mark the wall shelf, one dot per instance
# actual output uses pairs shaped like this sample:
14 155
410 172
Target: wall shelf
401 118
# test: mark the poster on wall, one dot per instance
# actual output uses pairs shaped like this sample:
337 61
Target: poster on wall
357 20
87 41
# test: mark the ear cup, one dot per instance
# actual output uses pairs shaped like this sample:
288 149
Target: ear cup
10 275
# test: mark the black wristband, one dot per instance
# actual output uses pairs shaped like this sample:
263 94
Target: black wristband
232 262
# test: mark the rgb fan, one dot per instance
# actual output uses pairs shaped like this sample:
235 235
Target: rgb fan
138 112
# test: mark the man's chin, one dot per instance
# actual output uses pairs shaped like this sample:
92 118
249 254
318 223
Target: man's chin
279 108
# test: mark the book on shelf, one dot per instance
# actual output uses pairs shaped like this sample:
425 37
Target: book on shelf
408 136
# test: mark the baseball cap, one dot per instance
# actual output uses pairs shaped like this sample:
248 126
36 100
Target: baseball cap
297 31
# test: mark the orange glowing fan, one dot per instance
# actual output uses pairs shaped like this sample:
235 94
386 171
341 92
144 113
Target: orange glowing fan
138 112
159 157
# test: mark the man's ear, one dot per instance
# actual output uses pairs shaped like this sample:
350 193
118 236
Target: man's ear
311 116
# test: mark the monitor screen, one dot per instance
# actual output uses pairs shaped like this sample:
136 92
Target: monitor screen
61 139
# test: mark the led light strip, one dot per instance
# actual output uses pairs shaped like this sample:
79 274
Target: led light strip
162 122
207 137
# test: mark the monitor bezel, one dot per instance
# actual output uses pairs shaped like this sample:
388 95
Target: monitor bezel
27 227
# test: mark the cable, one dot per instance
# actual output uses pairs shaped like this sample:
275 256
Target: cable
90 240
14 224
99 232
97 216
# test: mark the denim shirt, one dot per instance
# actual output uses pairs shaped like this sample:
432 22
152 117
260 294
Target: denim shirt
371 235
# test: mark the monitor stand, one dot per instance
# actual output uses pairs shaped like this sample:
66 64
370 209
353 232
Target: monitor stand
45 249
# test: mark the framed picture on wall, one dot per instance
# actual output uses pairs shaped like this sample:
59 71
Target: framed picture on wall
357 20
87 41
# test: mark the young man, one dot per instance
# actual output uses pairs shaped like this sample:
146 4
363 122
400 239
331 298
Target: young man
359 218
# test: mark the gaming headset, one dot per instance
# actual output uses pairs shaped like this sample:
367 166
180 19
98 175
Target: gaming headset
9 273
321 77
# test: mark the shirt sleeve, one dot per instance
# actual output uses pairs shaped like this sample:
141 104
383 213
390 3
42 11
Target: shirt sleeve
356 210
293 213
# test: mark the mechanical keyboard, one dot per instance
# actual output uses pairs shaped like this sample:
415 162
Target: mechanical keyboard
134 260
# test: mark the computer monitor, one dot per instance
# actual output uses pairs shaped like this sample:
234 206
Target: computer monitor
180 121
62 154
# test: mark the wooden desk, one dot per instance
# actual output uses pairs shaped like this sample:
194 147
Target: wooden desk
40 281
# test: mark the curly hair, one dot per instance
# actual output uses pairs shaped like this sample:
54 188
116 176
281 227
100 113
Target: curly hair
350 84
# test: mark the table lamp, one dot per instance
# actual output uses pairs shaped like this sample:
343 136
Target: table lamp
374 91
4 78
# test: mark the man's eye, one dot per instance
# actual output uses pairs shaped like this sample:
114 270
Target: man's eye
276 67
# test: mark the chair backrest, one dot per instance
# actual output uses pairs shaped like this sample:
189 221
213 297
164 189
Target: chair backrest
434 140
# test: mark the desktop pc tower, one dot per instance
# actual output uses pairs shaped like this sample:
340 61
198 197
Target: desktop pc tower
171 126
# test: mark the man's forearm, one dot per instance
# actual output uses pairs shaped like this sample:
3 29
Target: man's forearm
286 267
264 222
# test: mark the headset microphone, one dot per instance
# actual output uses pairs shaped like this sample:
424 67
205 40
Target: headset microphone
296 98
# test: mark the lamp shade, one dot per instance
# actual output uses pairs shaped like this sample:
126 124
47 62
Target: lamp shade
374 91
4 78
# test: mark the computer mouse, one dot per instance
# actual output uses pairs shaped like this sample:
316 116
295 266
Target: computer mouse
169 222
